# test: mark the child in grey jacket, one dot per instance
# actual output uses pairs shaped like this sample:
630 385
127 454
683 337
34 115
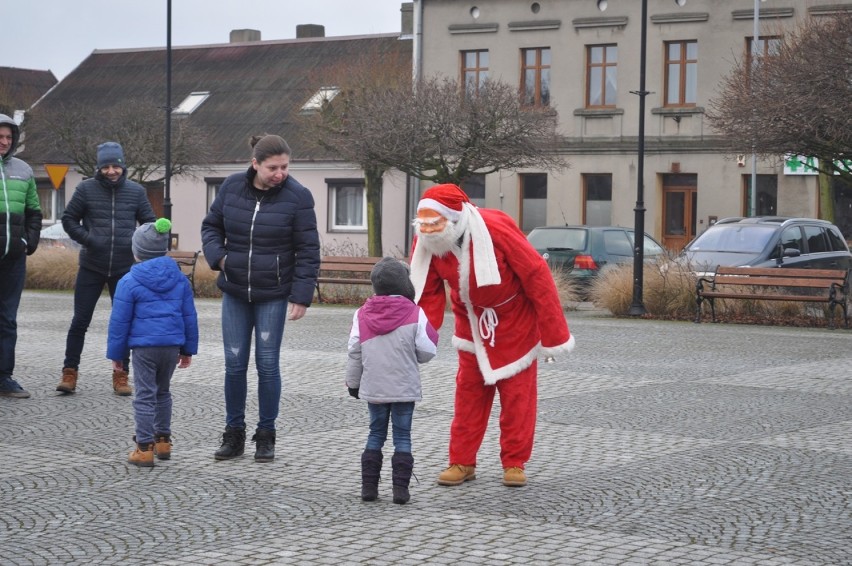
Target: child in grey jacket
390 336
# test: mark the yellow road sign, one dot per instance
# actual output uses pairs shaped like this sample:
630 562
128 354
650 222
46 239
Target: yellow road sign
56 174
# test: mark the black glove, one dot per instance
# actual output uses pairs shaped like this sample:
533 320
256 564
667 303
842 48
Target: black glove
353 391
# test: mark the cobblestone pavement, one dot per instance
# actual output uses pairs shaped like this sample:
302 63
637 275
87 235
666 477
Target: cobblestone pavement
658 443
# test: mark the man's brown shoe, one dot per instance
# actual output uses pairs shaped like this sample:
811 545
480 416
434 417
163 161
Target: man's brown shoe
142 456
69 381
514 477
457 474
119 383
163 446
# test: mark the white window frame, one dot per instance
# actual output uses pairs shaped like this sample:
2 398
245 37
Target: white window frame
334 185
191 103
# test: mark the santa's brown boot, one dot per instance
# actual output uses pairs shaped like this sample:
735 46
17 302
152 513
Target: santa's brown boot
69 381
457 474
119 383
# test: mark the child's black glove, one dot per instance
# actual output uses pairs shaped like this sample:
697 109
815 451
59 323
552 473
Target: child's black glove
353 391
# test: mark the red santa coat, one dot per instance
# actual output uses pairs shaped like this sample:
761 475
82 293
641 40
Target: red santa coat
505 325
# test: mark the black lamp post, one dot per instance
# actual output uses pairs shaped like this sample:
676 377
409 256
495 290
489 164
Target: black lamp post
637 307
167 200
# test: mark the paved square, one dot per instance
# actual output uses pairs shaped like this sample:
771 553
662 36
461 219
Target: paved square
658 443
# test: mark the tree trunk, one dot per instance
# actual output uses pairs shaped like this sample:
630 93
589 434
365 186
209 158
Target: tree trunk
826 197
373 186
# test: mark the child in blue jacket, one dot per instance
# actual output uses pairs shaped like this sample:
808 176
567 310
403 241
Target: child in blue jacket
390 336
153 314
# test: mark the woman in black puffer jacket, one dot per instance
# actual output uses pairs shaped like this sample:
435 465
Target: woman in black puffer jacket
261 233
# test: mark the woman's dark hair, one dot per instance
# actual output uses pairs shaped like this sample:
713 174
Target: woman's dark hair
267 145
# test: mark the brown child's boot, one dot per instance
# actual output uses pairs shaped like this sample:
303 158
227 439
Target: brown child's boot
143 455
162 446
69 381
119 383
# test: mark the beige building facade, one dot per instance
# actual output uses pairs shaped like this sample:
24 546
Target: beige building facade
584 63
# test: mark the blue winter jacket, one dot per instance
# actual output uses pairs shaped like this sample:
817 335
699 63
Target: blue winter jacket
269 240
153 306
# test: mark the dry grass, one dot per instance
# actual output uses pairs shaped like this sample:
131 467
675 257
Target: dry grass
569 293
669 293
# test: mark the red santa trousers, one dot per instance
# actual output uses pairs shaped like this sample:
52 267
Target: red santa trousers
474 399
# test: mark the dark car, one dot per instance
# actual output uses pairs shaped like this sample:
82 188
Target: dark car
582 251
769 241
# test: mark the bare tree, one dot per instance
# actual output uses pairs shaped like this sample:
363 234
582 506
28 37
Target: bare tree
348 124
797 100
74 132
436 132
444 134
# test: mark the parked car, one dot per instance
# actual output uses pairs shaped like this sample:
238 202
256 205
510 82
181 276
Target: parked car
582 251
768 241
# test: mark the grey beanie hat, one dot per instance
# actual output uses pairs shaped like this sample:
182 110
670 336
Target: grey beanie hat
110 153
390 276
151 239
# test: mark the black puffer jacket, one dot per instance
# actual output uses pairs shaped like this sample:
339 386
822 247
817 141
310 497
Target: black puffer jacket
269 237
102 217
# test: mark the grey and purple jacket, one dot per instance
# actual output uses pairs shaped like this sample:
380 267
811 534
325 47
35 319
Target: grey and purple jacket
390 336
20 213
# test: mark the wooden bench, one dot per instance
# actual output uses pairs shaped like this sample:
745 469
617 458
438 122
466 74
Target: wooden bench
343 270
829 286
186 261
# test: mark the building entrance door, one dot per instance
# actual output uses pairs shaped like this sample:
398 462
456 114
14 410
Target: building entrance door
680 200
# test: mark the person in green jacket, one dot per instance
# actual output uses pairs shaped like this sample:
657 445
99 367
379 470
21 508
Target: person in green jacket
20 229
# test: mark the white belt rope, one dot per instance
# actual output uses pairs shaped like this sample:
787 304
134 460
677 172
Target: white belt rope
488 321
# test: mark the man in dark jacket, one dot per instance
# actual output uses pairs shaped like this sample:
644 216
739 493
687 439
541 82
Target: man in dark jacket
102 215
20 228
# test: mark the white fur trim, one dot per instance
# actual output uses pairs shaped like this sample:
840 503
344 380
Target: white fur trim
440 208
420 260
554 351
484 259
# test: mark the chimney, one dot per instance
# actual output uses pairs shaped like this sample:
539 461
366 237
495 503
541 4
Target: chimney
407 18
309 30
243 35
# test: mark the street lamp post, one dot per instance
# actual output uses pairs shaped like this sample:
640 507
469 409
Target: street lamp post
755 53
637 307
167 200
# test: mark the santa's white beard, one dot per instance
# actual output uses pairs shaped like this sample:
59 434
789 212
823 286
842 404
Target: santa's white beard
440 243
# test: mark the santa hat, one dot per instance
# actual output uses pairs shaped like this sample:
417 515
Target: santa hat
452 203
447 200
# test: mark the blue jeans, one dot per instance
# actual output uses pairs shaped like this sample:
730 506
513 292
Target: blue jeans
87 290
152 403
400 414
13 273
239 319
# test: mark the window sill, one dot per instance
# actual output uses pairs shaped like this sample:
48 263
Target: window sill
598 112
347 230
678 111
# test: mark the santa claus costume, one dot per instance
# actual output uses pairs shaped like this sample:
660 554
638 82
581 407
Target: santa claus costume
507 313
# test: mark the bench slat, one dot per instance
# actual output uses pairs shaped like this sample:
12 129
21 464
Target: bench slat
774 281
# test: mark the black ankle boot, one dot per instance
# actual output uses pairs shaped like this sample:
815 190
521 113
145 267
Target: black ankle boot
371 467
264 445
233 444
403 464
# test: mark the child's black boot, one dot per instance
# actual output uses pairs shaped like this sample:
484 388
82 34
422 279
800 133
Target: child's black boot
371 467
403 464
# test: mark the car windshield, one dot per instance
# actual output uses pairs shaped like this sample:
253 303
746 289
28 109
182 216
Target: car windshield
735 238
550 238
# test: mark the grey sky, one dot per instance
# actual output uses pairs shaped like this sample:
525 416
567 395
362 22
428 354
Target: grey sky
57 35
